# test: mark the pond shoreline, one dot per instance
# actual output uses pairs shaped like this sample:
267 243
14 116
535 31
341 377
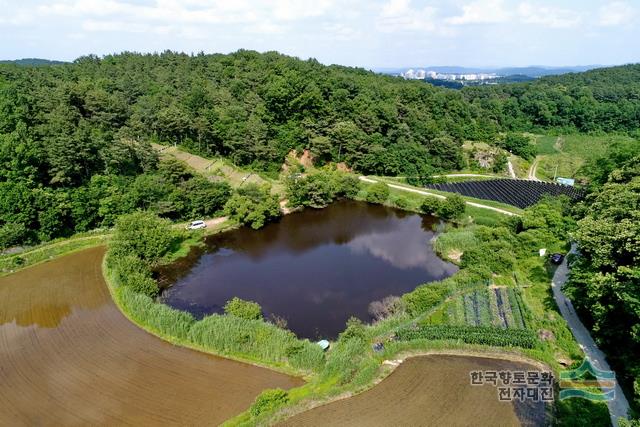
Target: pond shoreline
315 268
186 343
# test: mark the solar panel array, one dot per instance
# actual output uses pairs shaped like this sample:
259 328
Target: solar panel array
514 192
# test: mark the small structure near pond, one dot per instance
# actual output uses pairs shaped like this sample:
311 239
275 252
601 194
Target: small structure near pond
324 344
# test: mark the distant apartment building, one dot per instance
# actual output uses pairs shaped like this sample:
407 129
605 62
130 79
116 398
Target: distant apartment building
421 74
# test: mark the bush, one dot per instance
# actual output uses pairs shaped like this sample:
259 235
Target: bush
430 205
520 146
348 186
425 297
354 329
12 234
453 207
269 400
143 234
378 193
132 272
387 307
402 203
203 197
253 206
143 284
320 189
243 309
500 163
496 256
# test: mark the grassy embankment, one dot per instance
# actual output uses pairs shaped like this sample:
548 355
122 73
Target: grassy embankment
219 168
570 152
10 263
411 201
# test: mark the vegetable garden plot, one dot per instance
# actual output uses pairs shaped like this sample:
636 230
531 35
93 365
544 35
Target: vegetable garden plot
520 193
499 307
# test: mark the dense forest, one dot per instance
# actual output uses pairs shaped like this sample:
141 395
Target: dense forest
74 138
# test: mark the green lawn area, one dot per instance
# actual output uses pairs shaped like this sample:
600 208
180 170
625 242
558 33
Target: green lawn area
569 152
218 168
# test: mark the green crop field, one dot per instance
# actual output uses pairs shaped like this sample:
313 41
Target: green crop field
496 306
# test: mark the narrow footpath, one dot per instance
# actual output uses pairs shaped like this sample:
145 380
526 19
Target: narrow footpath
618 407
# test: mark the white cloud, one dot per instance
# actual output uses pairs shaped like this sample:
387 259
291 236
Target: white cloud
551 17
481 12
192 19
615 14
192 12
398 15
11 15
341 32
289 10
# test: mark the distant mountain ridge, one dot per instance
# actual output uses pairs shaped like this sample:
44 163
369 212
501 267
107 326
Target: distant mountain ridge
32 62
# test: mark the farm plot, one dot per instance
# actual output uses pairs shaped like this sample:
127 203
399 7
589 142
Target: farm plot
69 357
430 390
514 192
500 307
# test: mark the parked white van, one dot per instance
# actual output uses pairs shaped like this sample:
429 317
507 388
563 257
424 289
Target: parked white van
196 225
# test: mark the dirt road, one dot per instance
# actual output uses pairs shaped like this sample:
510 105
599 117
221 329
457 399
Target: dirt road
532 170
619 407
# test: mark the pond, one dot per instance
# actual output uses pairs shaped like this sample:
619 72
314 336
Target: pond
314 268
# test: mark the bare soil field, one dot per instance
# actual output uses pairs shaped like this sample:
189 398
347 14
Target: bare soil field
432 390
69 357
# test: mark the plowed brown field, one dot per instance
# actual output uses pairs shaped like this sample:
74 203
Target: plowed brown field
69 357
429 391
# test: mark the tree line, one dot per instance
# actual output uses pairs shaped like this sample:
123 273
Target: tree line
74 137
604 284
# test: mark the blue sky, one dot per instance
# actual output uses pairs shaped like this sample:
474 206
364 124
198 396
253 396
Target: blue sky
368 33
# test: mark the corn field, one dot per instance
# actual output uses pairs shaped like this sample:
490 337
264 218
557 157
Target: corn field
484 335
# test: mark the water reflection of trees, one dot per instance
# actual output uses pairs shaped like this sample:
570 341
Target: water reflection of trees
338 224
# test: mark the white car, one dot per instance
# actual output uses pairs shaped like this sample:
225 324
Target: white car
196 225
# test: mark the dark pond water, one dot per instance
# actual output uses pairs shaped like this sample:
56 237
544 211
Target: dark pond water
314 268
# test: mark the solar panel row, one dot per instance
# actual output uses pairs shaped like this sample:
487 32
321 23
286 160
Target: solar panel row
514 192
